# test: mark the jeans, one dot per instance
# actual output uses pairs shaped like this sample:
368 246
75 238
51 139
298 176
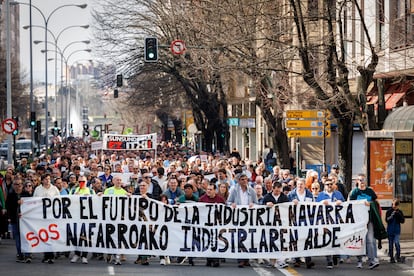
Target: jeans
371 244
394 239
16 236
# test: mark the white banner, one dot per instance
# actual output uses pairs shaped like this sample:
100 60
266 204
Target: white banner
130 142
136 225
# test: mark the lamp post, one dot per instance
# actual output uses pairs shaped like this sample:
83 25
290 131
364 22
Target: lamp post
66 60
46 20
68 94
55 40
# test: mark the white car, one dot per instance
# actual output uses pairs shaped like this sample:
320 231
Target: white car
3 150
24 148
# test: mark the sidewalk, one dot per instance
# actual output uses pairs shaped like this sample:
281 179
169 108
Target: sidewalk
407 252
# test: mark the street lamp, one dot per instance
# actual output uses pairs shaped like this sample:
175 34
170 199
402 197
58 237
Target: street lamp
46 22
68 94
55 40
66 60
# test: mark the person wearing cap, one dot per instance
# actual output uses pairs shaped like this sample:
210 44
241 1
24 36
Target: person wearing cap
335 169
242 194
271 199
72 183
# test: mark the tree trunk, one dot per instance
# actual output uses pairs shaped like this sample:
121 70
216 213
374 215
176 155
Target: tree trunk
345 127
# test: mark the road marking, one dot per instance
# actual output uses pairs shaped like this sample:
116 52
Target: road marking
265 272
111 270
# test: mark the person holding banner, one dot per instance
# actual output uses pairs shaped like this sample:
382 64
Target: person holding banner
46 190
242 194
13 210
270 199
330 195
81 190
173 192
363 192
116 190
143 191
301 194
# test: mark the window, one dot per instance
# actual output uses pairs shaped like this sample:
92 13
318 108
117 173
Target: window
380 24
401 29
313 9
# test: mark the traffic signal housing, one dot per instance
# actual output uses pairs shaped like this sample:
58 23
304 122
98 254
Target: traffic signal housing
119 80
38 131
32 119
151 49
116 93
16 131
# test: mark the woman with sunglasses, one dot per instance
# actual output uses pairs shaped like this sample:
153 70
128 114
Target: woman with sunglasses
107 177
28 188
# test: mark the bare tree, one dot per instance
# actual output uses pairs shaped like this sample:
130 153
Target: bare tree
332 85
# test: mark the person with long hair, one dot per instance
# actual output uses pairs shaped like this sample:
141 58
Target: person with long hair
223 190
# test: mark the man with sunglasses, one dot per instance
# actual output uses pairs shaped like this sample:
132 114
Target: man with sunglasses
152 186
330 196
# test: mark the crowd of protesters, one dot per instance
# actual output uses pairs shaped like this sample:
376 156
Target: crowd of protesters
175 175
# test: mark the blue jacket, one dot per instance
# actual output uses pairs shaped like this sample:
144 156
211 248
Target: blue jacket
293 195
336 195
394 220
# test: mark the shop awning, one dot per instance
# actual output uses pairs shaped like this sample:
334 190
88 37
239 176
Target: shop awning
393 100
393 94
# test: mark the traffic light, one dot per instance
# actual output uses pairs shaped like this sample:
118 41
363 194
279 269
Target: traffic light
38 131
32 119
119 80
85 129
16 131
184 132
151 49
116 93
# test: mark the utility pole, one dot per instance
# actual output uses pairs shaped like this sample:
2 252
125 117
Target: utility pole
8 78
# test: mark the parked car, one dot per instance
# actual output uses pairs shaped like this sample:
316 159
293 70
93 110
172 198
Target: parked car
3 150
24 148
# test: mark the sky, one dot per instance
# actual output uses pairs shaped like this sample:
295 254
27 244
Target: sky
58 20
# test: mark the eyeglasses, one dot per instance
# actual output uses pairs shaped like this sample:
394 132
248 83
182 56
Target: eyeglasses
314 188
328 184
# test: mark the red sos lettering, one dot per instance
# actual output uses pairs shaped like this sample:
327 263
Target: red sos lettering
43 235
